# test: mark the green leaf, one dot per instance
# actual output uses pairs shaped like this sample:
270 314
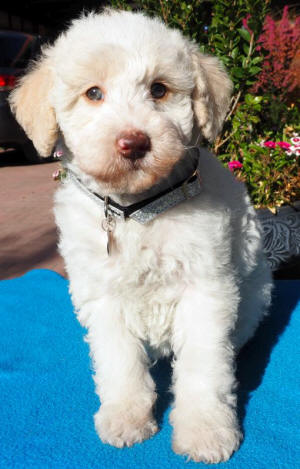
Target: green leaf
245 34
254 70
234 52
256 60
245 62
226 60
246 49
237 72
249 98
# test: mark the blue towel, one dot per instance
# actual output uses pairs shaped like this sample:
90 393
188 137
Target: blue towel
47 398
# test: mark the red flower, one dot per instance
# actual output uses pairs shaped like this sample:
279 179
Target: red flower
284 145
234 165
270 144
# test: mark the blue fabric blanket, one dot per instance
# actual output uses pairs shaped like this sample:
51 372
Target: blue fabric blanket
47 398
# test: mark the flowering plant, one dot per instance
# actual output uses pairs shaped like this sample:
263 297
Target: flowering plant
292 148
271 169
260 143
278 44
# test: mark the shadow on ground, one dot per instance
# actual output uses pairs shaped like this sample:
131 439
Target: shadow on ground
12 158
21 257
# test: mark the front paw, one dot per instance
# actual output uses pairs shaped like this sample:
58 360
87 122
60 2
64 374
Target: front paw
123 425
205 438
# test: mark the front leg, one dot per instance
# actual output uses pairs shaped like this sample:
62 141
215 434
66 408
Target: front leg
204 417
123 382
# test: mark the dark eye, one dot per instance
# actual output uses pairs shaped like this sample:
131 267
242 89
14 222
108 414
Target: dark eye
158 90
94 94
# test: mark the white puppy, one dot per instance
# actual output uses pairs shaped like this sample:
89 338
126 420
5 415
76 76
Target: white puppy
185 273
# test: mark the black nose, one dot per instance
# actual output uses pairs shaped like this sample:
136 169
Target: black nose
133 144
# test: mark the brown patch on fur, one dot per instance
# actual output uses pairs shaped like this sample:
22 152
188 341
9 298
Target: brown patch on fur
212 93
31 106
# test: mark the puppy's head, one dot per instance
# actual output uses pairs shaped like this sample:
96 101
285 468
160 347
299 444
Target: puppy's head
126 92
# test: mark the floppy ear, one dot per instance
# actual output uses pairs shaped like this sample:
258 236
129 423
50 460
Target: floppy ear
212 93
30 102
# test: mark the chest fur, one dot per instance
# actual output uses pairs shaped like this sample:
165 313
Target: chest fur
148 279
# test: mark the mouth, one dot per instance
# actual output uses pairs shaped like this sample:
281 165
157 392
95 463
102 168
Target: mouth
134 163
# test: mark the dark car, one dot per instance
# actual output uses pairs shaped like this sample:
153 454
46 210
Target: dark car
16 51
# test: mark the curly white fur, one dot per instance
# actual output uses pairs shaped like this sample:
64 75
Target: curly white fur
193 281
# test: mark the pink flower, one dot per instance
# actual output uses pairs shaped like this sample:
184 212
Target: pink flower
58 154
284 145
295 141
270 144
296 151
234 165
56 174
293 150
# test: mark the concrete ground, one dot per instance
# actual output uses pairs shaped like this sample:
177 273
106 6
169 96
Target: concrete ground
28 235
